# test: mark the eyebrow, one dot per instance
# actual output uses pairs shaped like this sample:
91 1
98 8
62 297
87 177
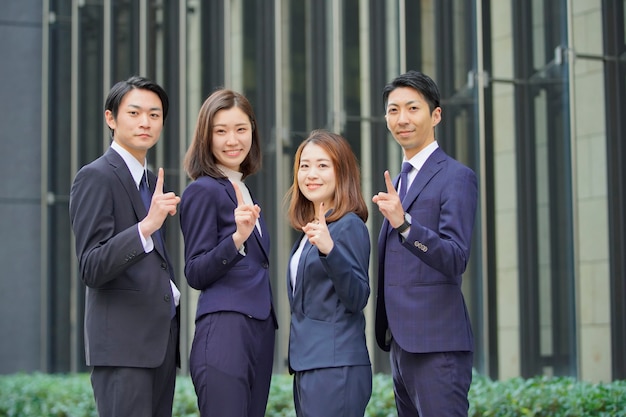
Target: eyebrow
236 124
318 159
135 106
391 103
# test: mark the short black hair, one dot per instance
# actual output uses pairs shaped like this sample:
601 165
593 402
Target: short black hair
418 81
119 90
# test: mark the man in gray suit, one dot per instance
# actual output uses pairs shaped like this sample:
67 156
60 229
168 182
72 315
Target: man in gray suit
117 209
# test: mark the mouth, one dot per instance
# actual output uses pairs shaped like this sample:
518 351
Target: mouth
313 186
233 153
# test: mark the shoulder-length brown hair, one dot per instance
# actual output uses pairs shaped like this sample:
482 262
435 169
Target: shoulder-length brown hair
199 159
348 197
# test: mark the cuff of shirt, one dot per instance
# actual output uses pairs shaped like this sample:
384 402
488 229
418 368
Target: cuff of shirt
148 244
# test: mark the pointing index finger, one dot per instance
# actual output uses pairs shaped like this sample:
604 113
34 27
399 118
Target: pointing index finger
321 218
158 189
390 188
240 201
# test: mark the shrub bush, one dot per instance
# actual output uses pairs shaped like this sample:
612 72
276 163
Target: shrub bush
44 395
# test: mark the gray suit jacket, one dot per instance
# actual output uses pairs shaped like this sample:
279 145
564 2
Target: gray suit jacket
128 296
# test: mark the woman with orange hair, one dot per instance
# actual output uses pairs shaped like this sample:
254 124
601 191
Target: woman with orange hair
327 280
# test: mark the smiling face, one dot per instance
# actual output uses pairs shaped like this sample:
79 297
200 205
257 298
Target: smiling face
410 120
316 176
231 137
139 122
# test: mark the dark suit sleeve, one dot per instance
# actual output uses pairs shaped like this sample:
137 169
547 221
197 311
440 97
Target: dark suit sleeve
207 222
348 262
442 223
103 252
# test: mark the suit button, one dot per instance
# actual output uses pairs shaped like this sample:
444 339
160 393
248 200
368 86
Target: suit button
167 298
421 246
224 261
265 265
163 266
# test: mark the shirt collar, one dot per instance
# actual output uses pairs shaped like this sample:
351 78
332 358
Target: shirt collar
136 169
232 175
420 158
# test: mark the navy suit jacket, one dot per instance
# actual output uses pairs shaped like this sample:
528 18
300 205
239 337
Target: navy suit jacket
128 294
419 290
327 321
228 281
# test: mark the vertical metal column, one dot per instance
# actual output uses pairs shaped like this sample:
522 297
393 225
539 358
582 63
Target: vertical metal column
43 253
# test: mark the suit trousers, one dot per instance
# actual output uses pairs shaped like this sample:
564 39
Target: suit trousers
231 364
137 392
342 391
432 384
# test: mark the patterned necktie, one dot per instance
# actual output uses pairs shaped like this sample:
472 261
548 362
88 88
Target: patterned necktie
404 179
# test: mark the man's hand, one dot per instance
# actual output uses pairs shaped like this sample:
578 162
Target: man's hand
389 203
160 206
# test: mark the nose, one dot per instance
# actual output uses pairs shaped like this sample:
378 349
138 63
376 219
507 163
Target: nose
312 173
402 116
144 119
231 138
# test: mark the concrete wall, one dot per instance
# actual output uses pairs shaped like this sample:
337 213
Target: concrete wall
20 183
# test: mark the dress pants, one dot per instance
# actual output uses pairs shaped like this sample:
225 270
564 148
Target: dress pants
137 392
231 364
431 384
342 391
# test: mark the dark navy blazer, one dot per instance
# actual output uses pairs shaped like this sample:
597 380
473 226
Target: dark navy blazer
327 320
228 281
419 290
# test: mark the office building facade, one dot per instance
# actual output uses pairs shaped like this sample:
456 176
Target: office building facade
534 98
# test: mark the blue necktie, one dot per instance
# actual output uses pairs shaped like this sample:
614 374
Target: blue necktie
146 196
404 179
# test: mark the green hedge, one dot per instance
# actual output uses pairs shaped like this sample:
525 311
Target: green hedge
43 395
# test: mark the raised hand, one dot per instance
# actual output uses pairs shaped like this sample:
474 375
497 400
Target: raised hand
317 232
161 205
246 216
389 203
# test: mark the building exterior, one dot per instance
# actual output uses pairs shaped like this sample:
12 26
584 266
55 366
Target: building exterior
534 99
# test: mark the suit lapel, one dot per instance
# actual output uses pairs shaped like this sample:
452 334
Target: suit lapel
301 267
127 182
129 186
430 168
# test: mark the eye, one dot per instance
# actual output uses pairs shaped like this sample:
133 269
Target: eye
242 129
303 166
132 112
155 115
392 111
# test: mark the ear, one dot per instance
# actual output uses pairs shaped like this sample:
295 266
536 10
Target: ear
436 116
110 119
